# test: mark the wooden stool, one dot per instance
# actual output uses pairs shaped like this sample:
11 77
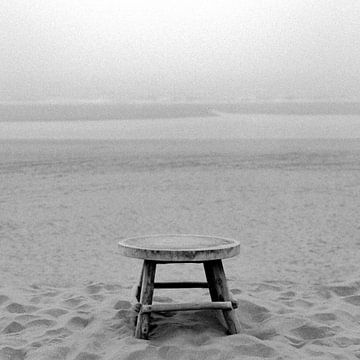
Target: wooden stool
164 249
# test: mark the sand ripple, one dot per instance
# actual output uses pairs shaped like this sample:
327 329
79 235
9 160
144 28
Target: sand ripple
280 321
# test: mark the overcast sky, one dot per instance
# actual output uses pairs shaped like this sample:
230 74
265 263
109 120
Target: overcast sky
99 49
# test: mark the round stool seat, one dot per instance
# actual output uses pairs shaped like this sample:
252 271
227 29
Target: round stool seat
179 248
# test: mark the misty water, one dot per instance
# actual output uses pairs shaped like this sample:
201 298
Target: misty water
222 126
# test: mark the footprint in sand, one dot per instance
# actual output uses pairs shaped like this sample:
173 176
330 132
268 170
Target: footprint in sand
3 299
74 301
13 327
60 333
299 303
83 308
98 297
94 288
12 354
19 308
324 293
253 312
40 323
263 334
287 295
296 343
36 344
344 290
36 299
15 308
78 322
236 291
353 300
345 341
267 287
325 317
26 317
55 312
122 304
309 332
113 288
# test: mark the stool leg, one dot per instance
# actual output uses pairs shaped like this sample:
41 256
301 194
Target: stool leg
219 291
146 295
211 280
135 296
138 290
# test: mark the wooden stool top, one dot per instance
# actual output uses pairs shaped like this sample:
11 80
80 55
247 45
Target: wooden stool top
179 248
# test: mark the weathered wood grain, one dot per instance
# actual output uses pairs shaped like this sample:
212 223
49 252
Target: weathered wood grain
219 292
181 285
219 305
163 249
179 248
146 296
136 289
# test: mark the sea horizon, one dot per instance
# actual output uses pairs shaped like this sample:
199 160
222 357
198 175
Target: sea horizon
222 126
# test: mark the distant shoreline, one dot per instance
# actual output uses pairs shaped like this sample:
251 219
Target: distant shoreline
223 126
136 111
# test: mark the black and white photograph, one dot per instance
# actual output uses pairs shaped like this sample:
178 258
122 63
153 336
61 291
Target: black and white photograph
179 180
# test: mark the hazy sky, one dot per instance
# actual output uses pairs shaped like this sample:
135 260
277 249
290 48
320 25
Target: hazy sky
101 49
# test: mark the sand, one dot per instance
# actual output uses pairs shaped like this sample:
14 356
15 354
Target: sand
293 205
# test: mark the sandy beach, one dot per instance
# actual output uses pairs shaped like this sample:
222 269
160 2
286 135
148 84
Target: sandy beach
226 119
292 204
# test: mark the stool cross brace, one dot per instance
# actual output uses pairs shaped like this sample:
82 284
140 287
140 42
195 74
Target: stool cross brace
216 283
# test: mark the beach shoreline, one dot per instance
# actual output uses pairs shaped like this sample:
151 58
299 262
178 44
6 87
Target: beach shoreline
293 205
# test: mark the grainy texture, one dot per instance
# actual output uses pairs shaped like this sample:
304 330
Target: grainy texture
146 296
138 290
219 291
179 285
179 248
293 205
218 305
